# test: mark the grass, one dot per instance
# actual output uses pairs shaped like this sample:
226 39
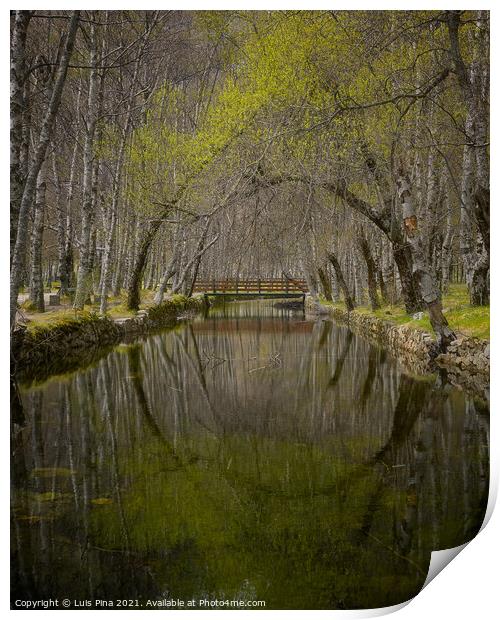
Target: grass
463 318
117 309
38 319
43 323
120 311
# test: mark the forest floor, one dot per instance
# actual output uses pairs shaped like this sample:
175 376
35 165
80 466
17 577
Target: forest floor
117 309
464 319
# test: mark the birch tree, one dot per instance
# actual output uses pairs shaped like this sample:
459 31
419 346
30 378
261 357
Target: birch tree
27 199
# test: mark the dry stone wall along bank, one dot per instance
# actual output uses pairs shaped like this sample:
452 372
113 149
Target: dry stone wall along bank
68 343
467 360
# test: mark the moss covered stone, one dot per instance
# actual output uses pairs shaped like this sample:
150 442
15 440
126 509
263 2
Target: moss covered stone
69 340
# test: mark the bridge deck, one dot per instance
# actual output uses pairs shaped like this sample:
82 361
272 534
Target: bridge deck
267 295
256 287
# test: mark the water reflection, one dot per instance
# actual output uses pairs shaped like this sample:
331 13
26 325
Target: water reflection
251 455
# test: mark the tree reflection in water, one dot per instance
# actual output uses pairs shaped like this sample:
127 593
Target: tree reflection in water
244 456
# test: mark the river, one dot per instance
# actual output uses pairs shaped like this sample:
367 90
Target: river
253 455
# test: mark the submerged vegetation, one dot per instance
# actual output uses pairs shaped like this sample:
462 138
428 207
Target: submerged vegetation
228 459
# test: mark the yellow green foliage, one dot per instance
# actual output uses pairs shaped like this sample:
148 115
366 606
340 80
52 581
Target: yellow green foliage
307 83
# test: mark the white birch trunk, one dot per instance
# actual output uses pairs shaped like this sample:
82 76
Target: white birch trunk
19 256
85 259
36 276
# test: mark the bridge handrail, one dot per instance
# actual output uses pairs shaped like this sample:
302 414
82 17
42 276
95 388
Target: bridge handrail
251 285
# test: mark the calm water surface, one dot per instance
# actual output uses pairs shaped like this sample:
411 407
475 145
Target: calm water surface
252 455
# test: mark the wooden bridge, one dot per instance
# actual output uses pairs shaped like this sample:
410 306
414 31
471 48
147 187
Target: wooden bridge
269 288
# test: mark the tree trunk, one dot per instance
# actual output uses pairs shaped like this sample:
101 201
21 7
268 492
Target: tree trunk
312 283
196 265
120 262
428 286
106 277
137 272
473 260
479 287
474 83
356 268
409 288
370 268
36 277
84 275
193 264
134 232
448 237
113 214
65 249
350 302
61 220
17 108
382 218
19 257
335 288
326 285
162 287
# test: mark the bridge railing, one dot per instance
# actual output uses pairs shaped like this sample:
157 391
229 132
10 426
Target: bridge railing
256 286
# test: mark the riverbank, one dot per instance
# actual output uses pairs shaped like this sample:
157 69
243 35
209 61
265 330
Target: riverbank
68 341
65 342
466 362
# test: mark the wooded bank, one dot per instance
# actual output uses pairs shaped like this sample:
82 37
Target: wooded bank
152 149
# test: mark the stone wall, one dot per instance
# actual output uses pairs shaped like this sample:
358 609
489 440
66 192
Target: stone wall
467 360
68 343
166 313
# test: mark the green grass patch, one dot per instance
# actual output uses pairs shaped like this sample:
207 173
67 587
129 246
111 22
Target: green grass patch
463 318
120 311
43 321
28 306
